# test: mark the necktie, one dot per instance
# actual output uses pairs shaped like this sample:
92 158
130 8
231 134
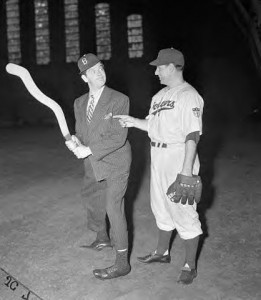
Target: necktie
90 109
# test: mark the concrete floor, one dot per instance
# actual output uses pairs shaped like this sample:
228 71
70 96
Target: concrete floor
42 224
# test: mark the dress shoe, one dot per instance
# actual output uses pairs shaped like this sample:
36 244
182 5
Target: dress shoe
111 272
98 245
154 257
187 275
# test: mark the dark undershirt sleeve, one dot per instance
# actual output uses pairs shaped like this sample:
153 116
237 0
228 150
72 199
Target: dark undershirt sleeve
194 136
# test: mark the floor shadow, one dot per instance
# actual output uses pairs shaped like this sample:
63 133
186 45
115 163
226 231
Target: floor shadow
209 147
140 155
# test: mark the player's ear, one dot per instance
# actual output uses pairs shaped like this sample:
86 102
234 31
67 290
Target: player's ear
84 78
172 66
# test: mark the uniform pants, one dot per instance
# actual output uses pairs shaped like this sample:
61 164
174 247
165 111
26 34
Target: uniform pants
106 197
166 163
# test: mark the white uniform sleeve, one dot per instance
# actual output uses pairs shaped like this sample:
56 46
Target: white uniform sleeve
192 111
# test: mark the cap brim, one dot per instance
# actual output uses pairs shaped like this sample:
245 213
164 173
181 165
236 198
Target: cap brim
155 63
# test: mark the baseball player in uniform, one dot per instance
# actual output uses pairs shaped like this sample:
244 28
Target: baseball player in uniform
174 125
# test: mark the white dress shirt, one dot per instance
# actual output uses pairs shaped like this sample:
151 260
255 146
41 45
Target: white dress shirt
96 97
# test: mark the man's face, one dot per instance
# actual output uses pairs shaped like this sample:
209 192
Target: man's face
96 75
164 73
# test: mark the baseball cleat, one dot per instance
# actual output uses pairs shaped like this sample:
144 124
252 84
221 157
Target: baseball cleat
187 275
98 245
154 257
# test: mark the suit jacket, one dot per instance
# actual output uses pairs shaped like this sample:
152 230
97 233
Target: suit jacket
111 153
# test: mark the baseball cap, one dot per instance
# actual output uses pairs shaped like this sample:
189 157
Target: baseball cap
87 61
168 56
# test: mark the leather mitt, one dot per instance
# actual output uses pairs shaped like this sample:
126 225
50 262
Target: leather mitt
185 189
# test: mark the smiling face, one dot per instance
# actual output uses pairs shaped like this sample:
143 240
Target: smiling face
95 76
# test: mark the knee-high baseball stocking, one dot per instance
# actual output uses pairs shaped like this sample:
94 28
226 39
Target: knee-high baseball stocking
163 241
191 247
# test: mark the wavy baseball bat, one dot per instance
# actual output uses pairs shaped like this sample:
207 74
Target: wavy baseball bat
25 76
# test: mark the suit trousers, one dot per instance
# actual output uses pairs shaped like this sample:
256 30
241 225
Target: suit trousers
106 197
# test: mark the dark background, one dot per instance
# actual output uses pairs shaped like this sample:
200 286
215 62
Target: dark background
218 58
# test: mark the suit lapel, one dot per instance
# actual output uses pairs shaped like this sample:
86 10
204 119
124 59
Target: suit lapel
101 108
83 108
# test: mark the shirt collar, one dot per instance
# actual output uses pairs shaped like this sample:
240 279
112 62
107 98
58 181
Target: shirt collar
97 94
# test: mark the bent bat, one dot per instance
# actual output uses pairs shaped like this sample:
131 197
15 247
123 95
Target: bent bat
24 74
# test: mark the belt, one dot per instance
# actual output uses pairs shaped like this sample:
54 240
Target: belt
159 145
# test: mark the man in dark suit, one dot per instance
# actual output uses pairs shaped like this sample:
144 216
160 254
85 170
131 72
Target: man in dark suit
102 144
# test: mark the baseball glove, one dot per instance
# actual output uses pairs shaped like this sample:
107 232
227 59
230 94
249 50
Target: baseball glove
185 189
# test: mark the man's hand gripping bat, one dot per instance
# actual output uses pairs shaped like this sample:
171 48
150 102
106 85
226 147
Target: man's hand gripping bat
25 76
